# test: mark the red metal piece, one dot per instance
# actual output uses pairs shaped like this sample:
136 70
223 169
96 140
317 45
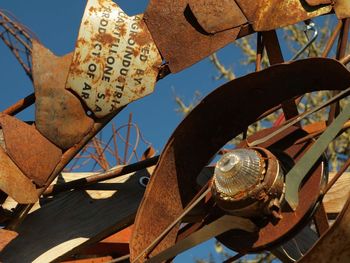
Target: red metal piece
30 150
174 179
60 116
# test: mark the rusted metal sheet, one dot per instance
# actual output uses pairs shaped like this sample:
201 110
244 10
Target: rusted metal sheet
35 155
115 61
216 16
14 183
59 114
320 2
173 181
342 8
178 35
6 236
334 245
271 14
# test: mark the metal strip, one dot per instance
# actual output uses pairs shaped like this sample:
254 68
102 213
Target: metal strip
296 175
216 228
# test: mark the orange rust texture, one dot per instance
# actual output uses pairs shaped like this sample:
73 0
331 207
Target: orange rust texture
6 236
14 183
271 14
319 2
342 8
60 116
29 149
178 35
216 16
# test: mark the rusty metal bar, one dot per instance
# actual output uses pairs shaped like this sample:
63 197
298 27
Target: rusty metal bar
341 50
332 38
321 220
275 56
119 171
20 105
127 138
259 51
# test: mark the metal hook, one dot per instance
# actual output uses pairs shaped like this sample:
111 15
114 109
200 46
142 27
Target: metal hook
143 181
310 26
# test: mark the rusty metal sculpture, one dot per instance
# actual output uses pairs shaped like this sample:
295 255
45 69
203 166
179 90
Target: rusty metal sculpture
261 194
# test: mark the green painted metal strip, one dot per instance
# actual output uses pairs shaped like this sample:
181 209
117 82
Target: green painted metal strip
296 175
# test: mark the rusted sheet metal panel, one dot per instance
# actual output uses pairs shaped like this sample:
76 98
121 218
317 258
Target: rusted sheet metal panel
6 236
271 14
173 181
14 183
342 8
334 245
319 2
216 16
59 114
115 61
29 149
178 35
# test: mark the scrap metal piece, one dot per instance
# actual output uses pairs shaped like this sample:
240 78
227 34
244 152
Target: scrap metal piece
179 36
319 2
216 16
342 9
334 245
6 236
59 114
271 14
14 183
29 149
115 61
173 181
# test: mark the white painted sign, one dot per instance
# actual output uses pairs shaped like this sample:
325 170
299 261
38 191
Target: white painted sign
115 61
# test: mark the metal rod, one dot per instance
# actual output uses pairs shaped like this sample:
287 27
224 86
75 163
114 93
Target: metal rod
20 105
119 171
127 138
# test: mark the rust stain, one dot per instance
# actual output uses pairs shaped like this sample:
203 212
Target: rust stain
35 155
59 114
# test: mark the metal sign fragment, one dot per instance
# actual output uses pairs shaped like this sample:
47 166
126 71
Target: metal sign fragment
115 61
35 155
59 114
14 183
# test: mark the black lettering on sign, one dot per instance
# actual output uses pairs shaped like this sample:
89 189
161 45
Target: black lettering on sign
97 108
101 96
138 81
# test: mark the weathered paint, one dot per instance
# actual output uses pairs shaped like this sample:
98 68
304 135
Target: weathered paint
59 114
115 61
